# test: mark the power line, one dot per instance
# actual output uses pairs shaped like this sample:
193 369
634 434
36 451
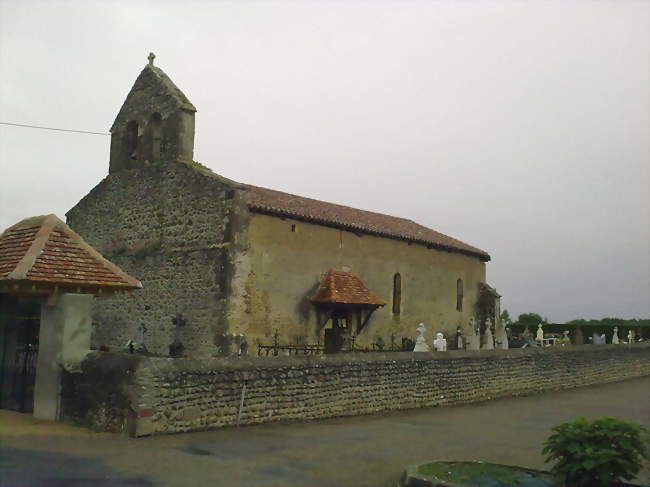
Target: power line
53 128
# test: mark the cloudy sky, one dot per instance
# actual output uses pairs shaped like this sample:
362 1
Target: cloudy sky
519 127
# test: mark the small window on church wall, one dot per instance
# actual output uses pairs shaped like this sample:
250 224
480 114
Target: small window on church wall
132 139
397 293
459 295
155 132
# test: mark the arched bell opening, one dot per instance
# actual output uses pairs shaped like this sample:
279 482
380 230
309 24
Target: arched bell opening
155 136
131 140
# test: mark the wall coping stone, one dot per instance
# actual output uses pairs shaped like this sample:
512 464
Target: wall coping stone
339 359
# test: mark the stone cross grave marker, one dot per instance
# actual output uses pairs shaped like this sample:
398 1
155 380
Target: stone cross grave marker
440 343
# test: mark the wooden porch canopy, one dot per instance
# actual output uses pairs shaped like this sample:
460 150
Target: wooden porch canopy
343 290
43 256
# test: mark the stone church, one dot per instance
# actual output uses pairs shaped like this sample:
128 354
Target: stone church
226 266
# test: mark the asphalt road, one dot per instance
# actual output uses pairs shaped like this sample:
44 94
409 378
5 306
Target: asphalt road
357 451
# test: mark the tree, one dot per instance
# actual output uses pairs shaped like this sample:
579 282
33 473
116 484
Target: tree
578 322
530 319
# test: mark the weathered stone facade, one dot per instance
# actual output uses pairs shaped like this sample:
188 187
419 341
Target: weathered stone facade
176 395
169 225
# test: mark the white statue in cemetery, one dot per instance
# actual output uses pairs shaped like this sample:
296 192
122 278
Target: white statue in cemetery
501 334
630 336
440 343
615 339
603 339
540 334
473 338
420 342
489 338
459 339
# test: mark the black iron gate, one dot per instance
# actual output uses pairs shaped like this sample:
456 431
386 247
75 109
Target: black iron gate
18 358
24 377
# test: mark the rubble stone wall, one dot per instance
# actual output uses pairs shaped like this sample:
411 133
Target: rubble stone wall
178 395
168 225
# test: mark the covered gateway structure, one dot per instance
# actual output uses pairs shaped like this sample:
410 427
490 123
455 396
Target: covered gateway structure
48 277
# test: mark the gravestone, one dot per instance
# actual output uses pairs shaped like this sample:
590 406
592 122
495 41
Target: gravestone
440 343
489 338
565 340
459 339
578 337
473 338
540 334
501 334
598 339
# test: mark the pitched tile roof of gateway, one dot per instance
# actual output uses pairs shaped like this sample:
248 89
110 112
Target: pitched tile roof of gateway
45 250
345 288
264 200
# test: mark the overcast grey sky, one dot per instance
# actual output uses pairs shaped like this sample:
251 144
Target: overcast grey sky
518 127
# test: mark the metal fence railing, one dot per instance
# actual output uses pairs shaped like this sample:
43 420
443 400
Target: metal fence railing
277 349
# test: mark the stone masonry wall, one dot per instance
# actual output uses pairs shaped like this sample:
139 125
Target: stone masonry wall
168 225
177 395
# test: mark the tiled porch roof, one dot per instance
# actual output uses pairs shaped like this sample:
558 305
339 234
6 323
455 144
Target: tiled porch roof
45 250
342 287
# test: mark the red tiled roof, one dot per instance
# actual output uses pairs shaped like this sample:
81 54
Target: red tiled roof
45 250
345 288
264 200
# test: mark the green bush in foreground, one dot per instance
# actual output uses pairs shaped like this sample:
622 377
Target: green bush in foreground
597 452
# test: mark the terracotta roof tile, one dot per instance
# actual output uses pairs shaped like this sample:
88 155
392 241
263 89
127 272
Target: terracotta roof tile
45 250
345 288
264 200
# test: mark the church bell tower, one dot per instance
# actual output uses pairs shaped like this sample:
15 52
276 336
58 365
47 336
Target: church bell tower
155 123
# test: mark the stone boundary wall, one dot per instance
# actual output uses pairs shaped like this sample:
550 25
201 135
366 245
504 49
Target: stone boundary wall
178 395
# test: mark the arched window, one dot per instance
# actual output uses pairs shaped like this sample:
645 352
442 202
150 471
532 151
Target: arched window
155 132
459 295
397 293
132 139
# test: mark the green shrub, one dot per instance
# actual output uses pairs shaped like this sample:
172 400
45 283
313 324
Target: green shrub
597 452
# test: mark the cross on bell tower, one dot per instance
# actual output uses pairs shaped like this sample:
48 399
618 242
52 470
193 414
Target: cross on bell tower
151 57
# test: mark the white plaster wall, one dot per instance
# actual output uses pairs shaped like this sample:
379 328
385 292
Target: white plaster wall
64 339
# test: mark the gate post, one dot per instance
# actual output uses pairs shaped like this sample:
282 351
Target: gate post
64 340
